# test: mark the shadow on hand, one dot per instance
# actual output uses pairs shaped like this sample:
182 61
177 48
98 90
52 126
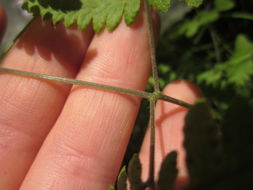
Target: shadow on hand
67 46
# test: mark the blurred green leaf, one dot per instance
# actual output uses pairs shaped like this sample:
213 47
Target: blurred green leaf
240 65
242 15
122 179
237 71
213 76
194 3
202 19
111 188
224 5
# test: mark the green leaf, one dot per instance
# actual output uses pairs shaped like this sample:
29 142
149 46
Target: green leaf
213 76
122 179
236 72
161 5
111 188
202 144
242 15
242 46
134 173
100 13
202 19
194 3
132 7
224 5
168 172
240 65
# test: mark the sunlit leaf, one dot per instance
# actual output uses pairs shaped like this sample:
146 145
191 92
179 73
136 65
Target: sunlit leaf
122 179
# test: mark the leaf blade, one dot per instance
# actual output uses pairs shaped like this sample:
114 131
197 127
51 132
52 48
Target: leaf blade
168 172
194 3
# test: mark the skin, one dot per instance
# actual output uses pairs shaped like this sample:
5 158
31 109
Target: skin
57 136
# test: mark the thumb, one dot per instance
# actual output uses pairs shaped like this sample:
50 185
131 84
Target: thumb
169 130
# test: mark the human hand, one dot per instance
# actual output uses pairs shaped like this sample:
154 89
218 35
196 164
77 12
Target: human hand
57 136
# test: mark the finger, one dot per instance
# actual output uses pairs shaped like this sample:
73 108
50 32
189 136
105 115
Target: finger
2 21
169 129
86 146
29 107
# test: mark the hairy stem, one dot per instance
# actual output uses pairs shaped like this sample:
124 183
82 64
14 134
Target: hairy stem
174 101
151 180
142 94
153 99
151 36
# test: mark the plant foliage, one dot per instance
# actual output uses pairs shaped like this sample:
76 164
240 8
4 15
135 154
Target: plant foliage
218 157
98 12
101 13
211 46
168 172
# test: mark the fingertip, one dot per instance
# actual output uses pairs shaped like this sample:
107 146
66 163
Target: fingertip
2 21
169 129
183 90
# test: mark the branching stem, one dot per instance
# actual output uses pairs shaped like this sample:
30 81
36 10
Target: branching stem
156 94
143 94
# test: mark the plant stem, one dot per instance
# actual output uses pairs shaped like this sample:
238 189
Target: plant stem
151 37
174 101
151 180
156 93
216 45
222 43
142 94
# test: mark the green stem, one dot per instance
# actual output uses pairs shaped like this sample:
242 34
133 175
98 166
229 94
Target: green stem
151 179
216 45
155 94
142 94
151 37
174 101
